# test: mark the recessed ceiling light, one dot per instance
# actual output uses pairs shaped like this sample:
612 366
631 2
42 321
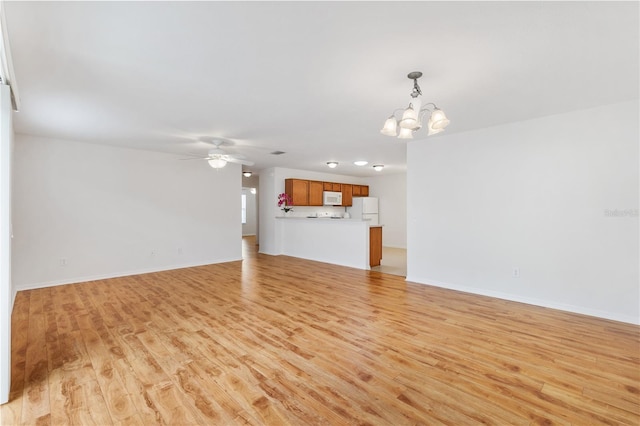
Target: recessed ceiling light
360 163
246 174
332 164
378 167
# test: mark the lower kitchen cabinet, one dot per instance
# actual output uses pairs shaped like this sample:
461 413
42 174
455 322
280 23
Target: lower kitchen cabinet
375 245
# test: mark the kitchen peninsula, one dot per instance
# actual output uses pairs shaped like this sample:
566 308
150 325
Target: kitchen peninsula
340 241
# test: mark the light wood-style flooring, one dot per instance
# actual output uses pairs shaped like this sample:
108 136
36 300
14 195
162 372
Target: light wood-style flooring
279 340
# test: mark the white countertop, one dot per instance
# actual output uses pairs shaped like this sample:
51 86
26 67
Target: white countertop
326 219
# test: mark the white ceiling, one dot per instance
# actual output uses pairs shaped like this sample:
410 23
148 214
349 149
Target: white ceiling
316 80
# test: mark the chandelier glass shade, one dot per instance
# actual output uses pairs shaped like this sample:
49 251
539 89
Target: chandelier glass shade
409 118
413 115
438 120
390 127
405 134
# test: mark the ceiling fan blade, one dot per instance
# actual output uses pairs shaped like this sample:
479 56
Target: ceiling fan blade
195 158
237 156
238 161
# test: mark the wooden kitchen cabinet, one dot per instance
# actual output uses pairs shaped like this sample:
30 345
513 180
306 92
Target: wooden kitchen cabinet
347 195
375 245
298 190
315 193
331 186
309 192
360 190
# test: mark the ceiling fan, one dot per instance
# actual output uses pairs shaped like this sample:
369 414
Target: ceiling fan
218 158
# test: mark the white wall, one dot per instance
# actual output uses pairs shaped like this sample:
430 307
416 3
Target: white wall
391 190
7 290
272 184
267 212
532 195
250 227
85 211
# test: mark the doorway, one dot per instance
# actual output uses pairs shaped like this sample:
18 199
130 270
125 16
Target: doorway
394 261
249 200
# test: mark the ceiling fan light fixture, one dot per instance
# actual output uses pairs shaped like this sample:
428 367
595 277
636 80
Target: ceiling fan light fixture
217 163
332 164
246 174
361 163
378 167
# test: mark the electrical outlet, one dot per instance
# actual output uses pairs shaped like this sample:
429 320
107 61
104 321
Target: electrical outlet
63 262
516 272
179 250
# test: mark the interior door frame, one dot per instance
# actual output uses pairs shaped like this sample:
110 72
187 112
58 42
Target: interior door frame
6 290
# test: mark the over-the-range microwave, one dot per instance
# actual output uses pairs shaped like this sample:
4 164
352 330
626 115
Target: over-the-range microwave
331 198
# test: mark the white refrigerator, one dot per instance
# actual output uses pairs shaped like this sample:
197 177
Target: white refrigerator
365 208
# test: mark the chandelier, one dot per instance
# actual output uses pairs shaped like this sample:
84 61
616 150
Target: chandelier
413 115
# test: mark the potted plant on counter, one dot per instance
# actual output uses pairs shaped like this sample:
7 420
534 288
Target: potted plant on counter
285 202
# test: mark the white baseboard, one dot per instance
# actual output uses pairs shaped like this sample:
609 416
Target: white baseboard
528 300
76 280
268 252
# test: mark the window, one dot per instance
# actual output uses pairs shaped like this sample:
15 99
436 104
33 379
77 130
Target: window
244 208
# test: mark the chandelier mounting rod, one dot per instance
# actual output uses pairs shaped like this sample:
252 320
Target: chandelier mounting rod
415 75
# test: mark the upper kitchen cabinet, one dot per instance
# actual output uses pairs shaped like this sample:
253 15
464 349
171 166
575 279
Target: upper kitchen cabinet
360 190
309 192
315 193
347 195
298 190
332 186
